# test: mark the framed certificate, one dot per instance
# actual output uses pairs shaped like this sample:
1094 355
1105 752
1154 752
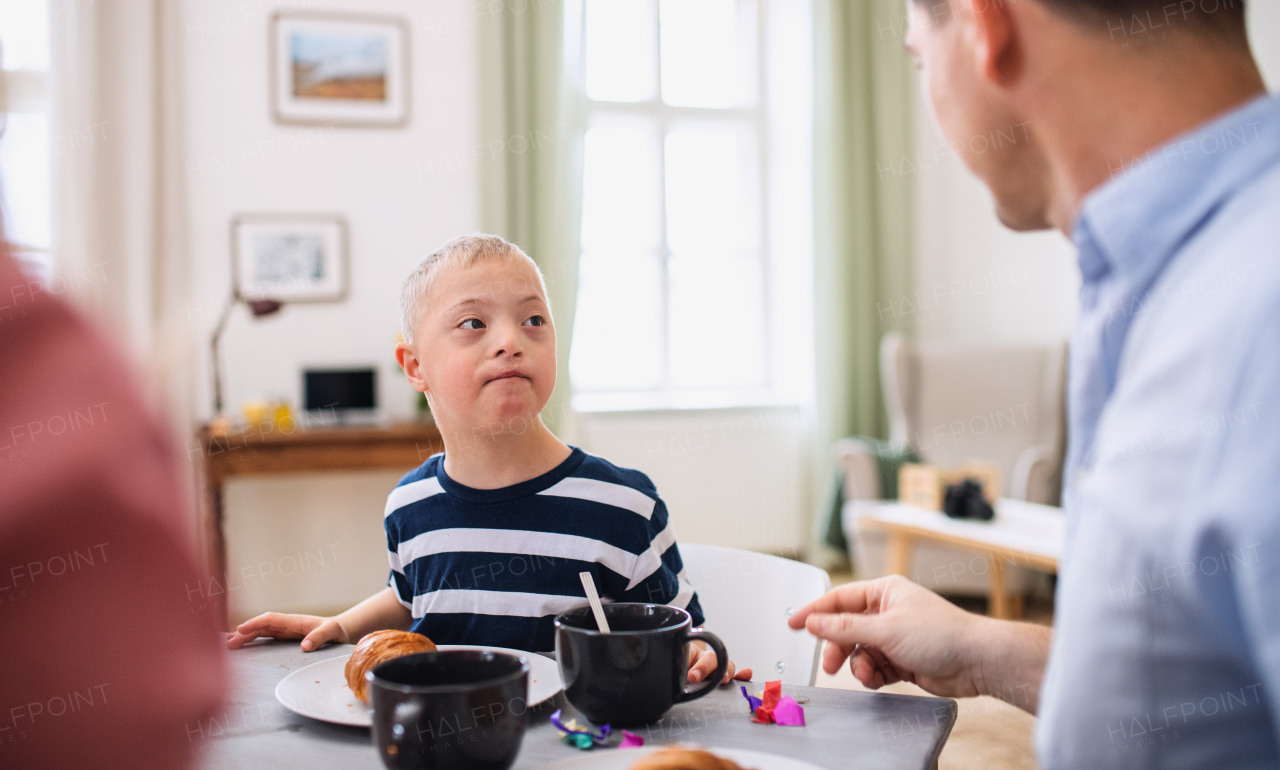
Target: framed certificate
290 257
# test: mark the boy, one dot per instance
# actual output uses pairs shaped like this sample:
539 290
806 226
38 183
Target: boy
487 539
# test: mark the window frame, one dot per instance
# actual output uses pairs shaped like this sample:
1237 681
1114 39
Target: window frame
662 119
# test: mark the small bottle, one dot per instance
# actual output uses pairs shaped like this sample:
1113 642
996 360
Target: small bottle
254 410
282 417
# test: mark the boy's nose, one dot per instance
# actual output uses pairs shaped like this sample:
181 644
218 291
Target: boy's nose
507 343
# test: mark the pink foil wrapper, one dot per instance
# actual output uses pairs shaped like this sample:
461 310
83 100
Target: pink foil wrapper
788 712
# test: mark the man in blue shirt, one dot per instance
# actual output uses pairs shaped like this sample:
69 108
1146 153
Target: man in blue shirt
1154 146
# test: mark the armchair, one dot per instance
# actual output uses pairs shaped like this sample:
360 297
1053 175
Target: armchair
950 403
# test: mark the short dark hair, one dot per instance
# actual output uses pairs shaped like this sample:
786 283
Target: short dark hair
1135 18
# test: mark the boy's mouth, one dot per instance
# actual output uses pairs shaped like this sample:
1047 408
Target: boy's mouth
508 376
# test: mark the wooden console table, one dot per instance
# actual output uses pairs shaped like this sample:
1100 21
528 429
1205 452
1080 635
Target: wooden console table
1022 534
264 451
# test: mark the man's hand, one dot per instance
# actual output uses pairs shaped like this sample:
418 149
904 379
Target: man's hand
314 631
702 664
893 630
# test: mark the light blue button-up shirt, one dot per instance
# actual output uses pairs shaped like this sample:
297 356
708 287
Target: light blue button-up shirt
1167 648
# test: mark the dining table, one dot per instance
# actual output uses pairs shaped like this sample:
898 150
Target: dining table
843 728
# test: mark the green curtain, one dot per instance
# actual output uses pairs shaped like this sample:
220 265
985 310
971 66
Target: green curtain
531 176
864 102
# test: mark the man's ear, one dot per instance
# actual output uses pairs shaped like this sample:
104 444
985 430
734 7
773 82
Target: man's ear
412 367
993 37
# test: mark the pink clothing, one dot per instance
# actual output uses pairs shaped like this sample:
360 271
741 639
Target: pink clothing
104 661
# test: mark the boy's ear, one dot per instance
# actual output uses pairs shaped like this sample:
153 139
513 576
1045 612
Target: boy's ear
412 367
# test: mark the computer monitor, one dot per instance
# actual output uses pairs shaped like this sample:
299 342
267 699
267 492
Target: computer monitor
340 395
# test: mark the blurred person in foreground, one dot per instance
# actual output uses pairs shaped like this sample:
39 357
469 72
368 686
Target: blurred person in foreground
1154 146
104 662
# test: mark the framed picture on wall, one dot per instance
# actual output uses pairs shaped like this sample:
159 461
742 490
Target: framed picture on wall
336 69
289 257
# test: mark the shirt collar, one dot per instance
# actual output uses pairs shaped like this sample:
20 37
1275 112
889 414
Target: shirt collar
1134 222
515 491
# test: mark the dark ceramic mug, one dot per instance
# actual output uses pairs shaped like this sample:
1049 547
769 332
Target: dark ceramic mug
449 710
636 673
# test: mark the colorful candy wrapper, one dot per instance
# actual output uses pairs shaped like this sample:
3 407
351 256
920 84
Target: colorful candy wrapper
772 694
581 740
579 735
773 707
630 740
788 712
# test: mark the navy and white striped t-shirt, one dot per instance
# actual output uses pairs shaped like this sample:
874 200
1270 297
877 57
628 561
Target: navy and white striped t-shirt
495 566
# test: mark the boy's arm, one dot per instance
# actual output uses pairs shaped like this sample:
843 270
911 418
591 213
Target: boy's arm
380 611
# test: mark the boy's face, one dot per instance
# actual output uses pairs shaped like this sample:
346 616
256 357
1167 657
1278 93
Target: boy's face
485 352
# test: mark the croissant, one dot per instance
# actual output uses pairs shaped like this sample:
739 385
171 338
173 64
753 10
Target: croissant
378 647
684 759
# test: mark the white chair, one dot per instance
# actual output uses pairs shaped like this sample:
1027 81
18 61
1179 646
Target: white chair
747 598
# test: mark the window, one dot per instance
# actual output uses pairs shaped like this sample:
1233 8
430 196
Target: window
24 143
696 190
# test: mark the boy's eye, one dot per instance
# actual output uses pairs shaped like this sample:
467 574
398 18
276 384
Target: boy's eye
535 320
471 323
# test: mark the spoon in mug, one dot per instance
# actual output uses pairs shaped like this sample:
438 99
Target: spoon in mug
589 586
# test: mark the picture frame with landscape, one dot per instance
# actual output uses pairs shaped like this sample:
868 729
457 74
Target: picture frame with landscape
333 69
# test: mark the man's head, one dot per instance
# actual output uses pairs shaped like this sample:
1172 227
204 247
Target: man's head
1014 82
478 336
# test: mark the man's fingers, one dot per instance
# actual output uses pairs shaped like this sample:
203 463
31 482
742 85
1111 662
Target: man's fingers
743 675
833 656
880 659
865 670
851 597
847 628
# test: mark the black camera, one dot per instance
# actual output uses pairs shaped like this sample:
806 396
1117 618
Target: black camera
965 501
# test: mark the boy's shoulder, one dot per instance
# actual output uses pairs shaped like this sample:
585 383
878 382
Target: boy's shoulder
598 468
425 471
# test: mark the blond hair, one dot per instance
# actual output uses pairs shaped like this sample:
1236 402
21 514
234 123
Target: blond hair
463 251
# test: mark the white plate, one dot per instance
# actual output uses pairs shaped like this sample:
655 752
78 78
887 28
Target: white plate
320 690
621 759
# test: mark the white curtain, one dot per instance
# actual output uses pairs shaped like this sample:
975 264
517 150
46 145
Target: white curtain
118 240
530 85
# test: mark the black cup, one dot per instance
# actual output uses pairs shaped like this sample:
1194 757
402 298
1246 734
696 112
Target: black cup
449 710
633 675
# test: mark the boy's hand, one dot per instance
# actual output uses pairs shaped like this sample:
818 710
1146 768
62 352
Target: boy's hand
314 631
702 664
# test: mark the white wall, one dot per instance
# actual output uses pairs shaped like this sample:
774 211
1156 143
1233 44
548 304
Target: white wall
730 477
1264 34
403 191
386 182
309 542
978 281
